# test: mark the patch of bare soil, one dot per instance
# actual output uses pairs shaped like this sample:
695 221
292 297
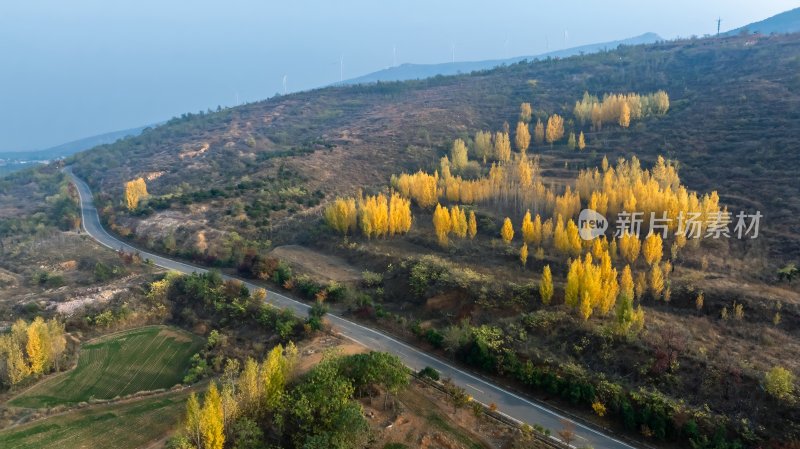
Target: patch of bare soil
318 265
420 417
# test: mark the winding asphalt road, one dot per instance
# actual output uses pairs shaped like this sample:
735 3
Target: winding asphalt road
508 403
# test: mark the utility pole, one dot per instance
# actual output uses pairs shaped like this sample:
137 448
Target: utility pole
719 21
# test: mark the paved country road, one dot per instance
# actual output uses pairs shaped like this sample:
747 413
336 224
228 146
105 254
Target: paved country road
510 404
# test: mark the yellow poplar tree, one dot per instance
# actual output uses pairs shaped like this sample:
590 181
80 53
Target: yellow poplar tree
523 254
573 287
585 307
629 246
546 286
581 142
211 420
555 128
135 191
35 350
458 222
625 115
537 232
525 112
573 239
342 215
656 281
507 231
571 142
441 224
502 146
626 283
458 154
523 137
483 145
653 248
472 225
527 228
399 215
191 425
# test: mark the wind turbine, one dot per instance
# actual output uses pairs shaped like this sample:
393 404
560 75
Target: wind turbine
454 53
394 55
341 68
284 84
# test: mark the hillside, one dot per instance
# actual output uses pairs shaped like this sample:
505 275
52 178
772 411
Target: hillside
785 22
410 71
227 187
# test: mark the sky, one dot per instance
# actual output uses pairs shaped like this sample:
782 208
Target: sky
78 68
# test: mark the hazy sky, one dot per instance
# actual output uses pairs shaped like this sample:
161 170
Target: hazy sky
72 69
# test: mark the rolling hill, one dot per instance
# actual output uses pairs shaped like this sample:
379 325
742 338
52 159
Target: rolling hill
227 187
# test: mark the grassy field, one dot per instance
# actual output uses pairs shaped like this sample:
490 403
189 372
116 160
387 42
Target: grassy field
147 358
121 425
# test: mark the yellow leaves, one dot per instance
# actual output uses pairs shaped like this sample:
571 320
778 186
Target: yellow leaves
525 112
581 142
458 155
527 228
626 283
442 224
135 191
629 246
522 137
211 420
653 248
546 285
507 231
472 225
625 115
342 215
585 307
420 187
523 254
656 279
599 408
573 239
555 128
620 108
502 147
400 218
458 222
374 216
34 347
483 145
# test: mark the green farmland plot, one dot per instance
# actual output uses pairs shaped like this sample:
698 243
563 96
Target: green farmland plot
129 424
147 358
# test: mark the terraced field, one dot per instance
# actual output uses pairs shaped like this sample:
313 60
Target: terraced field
129 424
142 359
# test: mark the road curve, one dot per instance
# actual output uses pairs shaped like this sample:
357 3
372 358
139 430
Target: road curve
508 403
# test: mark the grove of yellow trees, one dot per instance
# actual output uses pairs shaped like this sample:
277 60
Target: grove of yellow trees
620 108
31 349
376 215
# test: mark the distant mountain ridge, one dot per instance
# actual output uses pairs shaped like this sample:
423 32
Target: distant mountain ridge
785 22
418 71
70 148
11 161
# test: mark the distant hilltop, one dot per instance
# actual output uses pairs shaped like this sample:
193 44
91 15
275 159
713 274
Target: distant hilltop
785 22
405 72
